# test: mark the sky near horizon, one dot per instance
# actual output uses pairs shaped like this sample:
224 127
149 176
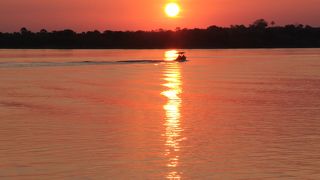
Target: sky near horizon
84 15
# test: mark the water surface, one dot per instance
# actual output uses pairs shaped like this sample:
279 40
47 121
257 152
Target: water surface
225 114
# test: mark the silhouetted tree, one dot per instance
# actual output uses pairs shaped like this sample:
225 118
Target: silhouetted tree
24 31
260 24
43 31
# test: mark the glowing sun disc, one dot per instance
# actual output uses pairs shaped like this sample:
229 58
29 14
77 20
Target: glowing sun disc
172 9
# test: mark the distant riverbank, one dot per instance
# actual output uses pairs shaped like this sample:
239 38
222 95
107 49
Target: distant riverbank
260 34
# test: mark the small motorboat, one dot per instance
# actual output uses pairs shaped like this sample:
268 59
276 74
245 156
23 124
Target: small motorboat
181 57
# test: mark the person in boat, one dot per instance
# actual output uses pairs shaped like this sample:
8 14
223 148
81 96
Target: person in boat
181 57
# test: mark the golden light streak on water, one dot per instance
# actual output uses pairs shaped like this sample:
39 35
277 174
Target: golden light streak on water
172 76
170 55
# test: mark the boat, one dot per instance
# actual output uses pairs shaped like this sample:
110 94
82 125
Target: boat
181 57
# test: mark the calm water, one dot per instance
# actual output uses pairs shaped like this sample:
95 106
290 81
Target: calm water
226 114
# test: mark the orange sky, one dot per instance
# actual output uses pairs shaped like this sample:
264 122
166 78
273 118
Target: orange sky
83 15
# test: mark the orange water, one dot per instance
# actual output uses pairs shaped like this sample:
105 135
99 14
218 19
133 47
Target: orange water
225 114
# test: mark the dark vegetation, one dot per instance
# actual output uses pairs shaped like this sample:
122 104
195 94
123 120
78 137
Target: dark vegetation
259 34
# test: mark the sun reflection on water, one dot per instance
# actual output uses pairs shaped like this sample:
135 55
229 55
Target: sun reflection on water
170 55
172 76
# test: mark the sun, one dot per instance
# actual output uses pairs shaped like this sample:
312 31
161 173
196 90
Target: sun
172 9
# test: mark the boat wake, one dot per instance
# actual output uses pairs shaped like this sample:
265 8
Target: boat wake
76 63
143 61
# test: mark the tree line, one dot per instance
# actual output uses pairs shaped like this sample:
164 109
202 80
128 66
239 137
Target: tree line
259 34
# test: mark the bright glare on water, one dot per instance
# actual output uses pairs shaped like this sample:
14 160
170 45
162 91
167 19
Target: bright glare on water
225 114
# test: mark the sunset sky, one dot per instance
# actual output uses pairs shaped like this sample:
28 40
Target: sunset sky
83 15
